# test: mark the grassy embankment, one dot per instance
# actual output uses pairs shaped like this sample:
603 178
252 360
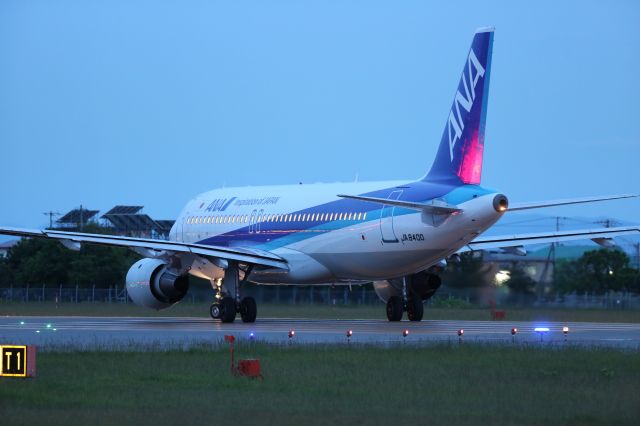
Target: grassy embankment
318 312
440 384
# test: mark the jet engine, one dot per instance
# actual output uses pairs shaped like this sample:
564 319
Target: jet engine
422 285
151 284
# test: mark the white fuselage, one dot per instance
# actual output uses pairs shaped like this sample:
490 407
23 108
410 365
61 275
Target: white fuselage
327 239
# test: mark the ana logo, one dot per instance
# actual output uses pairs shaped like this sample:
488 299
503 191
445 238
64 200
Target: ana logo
474 72
220 204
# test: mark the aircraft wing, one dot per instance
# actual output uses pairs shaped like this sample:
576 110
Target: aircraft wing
73 240
599 236
564 202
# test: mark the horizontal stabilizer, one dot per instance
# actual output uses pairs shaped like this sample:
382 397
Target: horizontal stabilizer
432 207
494 242
541 204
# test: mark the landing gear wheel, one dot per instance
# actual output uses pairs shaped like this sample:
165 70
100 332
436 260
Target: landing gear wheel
248 309
227 309
415 309
215 310
394 308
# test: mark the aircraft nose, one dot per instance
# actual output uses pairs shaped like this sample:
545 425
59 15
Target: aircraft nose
500 203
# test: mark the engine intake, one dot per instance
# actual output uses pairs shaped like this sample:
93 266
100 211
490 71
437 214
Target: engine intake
150 284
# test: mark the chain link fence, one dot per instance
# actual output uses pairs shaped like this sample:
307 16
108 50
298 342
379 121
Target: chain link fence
328 295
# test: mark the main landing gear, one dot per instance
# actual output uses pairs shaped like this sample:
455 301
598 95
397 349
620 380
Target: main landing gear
396 305
226 308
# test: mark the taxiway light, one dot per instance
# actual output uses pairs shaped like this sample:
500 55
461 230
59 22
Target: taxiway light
291 334
541 331
48 325
21 322
405 333
460 332
565 329
514 330
349 333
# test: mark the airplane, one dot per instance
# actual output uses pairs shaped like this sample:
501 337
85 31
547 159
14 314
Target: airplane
393 234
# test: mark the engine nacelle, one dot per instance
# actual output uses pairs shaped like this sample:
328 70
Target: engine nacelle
425 284
150 284
422 285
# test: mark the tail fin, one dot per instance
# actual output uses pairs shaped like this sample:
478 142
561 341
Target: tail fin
459 157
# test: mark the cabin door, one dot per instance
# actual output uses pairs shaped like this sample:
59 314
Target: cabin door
386 220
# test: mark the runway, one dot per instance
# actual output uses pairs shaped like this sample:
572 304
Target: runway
166 332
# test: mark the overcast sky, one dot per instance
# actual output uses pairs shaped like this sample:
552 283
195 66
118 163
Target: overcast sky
150 102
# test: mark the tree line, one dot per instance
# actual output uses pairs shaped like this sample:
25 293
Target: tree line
37 261
595 272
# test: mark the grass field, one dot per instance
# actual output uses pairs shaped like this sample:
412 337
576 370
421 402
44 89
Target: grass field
319 312
445 384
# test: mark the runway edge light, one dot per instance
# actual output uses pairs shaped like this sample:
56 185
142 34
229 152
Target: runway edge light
18 361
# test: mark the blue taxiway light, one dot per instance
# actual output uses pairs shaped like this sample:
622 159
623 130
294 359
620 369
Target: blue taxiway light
541 329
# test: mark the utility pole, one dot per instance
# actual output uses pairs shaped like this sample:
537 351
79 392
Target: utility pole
553 251
51 214
81 219
608 223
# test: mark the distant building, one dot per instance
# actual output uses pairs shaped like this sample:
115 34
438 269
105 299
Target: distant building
129 221
538 265
123 220
76 218
6 246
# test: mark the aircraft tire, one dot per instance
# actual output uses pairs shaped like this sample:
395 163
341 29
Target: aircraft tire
227 310
215 310
394 308
415 309
248 309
